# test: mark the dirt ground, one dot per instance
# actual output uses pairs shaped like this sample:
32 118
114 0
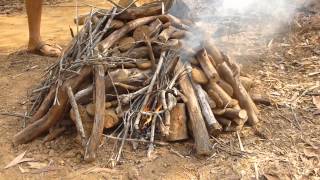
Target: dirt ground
286 145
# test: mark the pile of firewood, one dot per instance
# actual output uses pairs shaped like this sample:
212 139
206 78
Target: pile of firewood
128 75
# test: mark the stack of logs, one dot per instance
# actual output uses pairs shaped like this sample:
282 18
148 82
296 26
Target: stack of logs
145 82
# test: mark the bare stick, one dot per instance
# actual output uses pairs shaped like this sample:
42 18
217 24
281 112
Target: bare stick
240 142
150 50
97 130
78 121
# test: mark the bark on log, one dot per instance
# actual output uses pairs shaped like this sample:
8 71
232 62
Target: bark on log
139 53
77 119
143 65
240 93
212 124
155 27
226 99
56 111
178 123
216 98
126 43
226 123
235 113
259 99
179 34
140 32
198 126
166 34
214 52
207 66
45 105
140 12
111 119
116 35
98 125
199 76
116 24
226 87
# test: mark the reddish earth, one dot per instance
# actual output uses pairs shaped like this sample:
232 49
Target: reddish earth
286 147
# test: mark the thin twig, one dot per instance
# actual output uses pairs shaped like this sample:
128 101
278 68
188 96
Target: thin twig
78 120
146 99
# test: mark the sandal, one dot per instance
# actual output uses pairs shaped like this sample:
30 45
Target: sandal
53 50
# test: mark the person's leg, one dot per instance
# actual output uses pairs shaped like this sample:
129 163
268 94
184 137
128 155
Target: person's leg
34 11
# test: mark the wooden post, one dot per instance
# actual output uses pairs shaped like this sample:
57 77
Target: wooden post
97 130
199 130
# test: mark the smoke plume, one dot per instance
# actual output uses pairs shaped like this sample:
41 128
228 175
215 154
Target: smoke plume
236 25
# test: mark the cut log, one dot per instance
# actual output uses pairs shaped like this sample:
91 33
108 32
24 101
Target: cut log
126 43
45 105
235 113
207 66
215 97
87 122
259 99
198 125
98 125
178 123
199 76
226 99
240 93
143 65
179 34
193 61
90 109
140 12
155 27
77 119
226 123
116 24
166 34
226 87
214 52
140 32
212 124
56 111
111 119
172 44
139 53
177 23
116 35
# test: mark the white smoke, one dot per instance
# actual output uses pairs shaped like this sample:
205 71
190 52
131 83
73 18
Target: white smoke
237 23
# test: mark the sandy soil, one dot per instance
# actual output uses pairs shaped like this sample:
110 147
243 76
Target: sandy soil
286 146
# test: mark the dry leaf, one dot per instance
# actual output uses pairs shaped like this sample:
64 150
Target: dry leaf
316 101
37 165
19 159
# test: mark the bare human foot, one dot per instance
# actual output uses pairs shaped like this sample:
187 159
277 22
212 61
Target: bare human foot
45 49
